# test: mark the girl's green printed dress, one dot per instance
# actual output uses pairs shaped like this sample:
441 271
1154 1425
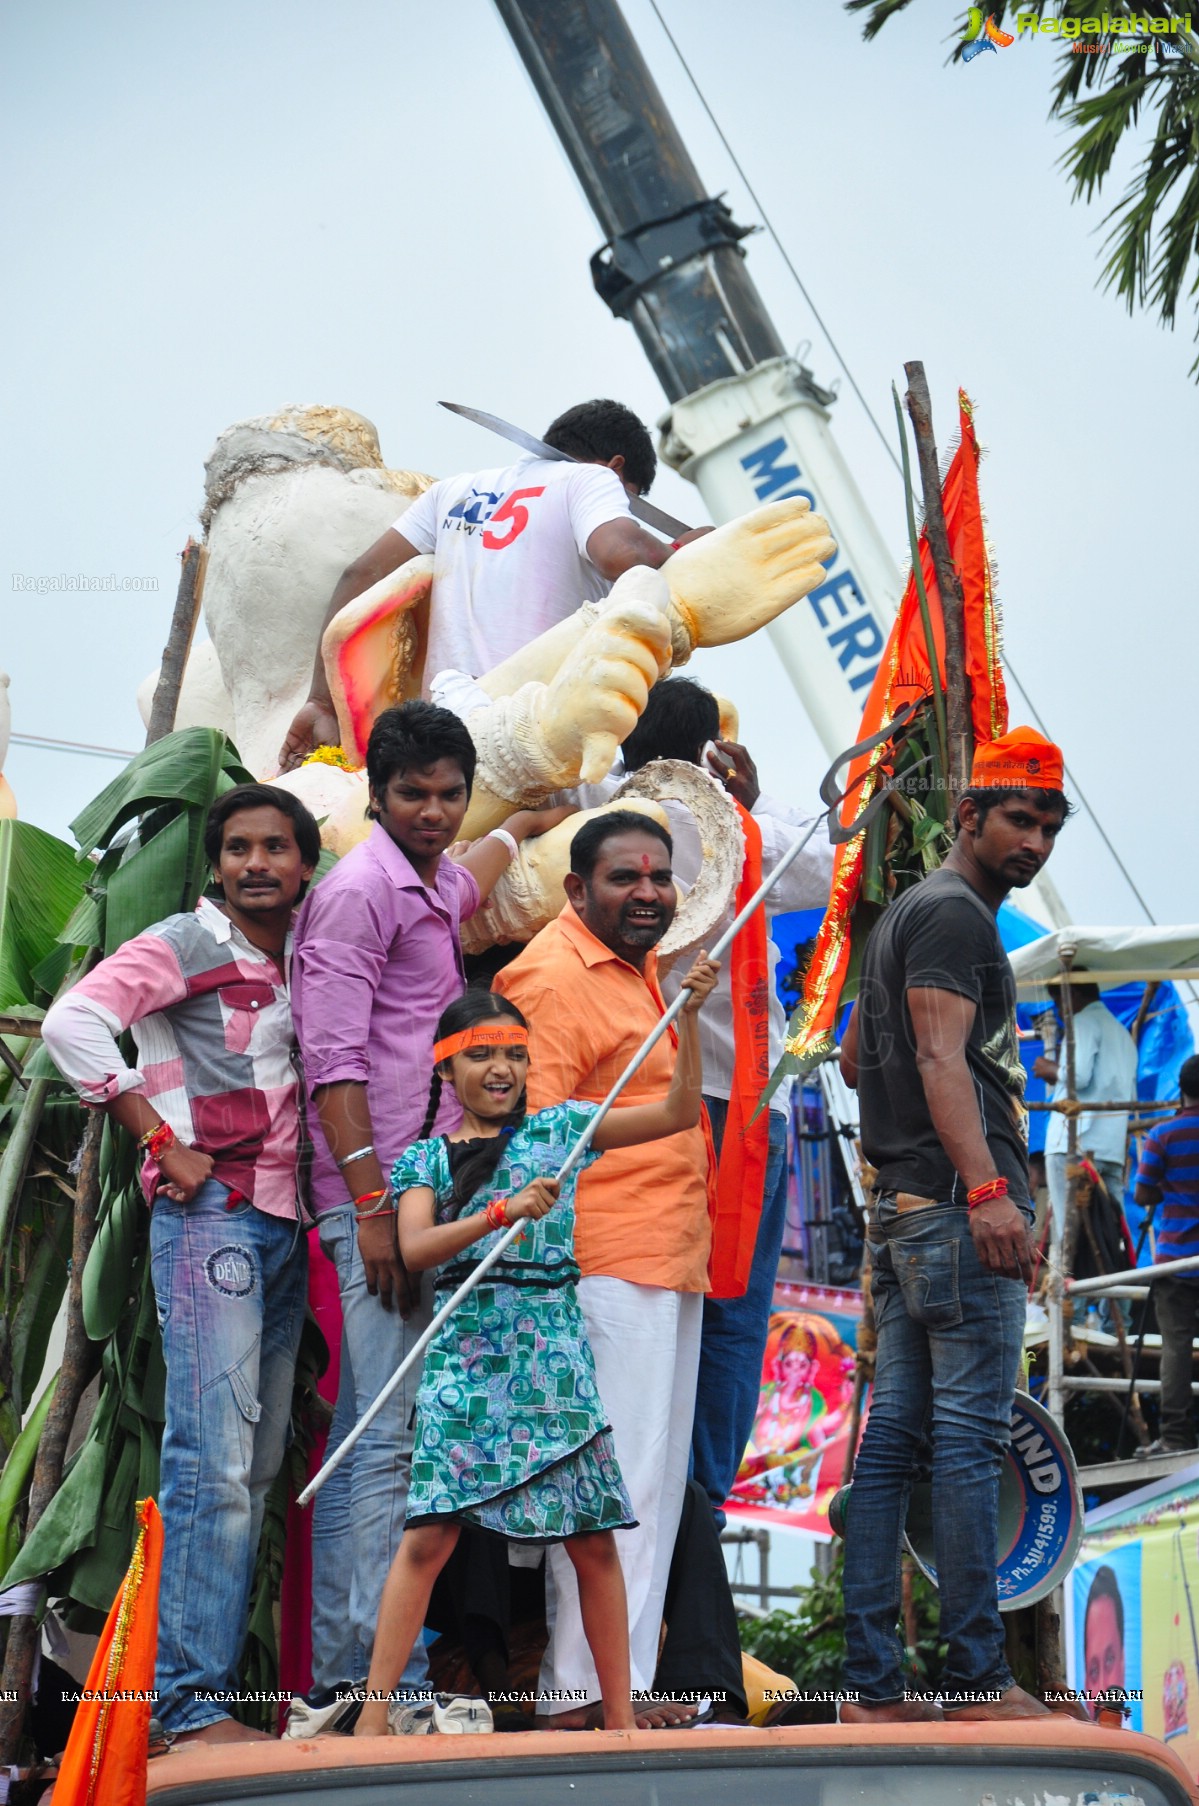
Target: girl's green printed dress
510 1428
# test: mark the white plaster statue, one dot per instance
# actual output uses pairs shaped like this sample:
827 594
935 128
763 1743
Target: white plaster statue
291 500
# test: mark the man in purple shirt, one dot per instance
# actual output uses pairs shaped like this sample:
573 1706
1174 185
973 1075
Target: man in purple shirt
377 959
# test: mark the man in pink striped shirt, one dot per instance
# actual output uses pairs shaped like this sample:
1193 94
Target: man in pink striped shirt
214 1104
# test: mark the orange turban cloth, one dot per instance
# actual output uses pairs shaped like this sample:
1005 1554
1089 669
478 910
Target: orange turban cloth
1019 760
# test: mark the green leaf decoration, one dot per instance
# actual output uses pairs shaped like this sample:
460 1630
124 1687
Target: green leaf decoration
109 1265
18 1471
186 767
150 884
40 884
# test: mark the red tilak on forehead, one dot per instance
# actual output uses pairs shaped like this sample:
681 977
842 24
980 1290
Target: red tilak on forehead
645 862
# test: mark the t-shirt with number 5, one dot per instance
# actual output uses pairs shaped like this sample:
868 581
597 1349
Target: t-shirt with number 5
509 556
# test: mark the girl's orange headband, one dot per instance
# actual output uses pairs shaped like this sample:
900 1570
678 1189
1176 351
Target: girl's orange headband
484 1034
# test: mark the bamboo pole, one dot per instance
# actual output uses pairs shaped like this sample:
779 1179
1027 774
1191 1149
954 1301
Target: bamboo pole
957 686
174 658
1073 1175
930 642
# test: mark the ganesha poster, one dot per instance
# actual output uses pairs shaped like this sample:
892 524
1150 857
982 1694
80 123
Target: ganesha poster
796 1458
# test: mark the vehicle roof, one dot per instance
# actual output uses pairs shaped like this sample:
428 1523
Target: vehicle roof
1015 1738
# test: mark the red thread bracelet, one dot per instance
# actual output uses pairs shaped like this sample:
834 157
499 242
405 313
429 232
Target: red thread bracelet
157 1140
497 1214
983 1194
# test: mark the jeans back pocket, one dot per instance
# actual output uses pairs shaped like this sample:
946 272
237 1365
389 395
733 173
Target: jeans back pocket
927 1271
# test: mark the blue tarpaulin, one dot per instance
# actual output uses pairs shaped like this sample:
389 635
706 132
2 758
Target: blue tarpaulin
1165 1042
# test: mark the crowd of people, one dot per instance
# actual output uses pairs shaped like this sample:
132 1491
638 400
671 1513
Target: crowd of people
590 1400
338 1065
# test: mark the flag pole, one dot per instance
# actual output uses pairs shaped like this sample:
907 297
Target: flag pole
568 1165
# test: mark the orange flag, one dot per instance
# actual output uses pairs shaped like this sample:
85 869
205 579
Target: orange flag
745 1148
105 1759
904 675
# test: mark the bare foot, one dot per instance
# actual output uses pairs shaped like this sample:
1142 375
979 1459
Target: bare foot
579 1718
662 1714
891 1711
1014 1703
224 1730
372 1720
648 1715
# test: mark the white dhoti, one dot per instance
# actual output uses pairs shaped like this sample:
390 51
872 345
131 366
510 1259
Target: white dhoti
646 1345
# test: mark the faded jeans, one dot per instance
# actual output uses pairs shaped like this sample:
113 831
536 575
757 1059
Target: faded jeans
360 1551
734 1333
230 1288
338 1658
950 1336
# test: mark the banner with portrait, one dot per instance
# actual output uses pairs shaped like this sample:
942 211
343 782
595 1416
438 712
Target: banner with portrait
1132 1611
796 1457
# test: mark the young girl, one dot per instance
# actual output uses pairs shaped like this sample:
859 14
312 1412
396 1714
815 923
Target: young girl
510 1430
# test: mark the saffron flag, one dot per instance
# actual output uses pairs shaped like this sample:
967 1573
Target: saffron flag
905 676
745 1148
104 1763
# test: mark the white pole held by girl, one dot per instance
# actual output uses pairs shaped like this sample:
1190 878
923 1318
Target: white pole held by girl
572 1160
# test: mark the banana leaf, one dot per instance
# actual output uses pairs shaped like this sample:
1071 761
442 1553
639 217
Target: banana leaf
37 1259
183 768
83 1539
110 1263
40 884
147 826
42 1120
42 1291
84 928
18 1470
150 884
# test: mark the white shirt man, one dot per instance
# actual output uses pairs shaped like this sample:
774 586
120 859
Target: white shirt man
1105 1071
515 550
510 556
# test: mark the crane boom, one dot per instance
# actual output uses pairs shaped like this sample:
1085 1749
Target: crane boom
747 423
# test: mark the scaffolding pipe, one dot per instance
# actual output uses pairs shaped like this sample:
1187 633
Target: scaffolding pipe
1078 1288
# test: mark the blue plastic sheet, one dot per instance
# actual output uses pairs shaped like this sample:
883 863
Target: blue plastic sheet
1166 1037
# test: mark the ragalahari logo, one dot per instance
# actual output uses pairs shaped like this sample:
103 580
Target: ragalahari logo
983 34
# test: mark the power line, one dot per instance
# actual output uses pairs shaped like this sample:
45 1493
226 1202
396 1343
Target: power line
778 243
41 743
870 415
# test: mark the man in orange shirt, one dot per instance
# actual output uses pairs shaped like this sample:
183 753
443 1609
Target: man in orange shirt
588 986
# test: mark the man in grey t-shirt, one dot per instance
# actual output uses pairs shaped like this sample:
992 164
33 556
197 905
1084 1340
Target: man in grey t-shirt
932 1050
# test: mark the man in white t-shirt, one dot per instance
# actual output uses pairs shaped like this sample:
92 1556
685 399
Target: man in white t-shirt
1105 1072
516 550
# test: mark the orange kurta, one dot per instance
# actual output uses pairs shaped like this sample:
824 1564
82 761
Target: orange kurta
641 1212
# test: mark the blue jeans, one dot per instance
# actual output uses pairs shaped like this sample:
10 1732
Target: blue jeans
338 1658
734 1333
230 1288
374 1343
949 1341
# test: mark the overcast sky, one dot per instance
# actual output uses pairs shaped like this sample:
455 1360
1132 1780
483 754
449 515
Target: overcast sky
216 209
